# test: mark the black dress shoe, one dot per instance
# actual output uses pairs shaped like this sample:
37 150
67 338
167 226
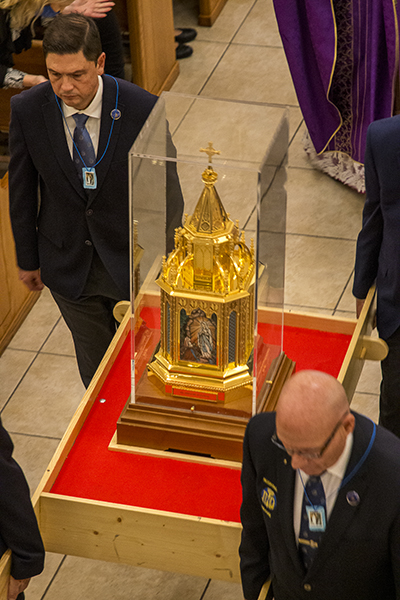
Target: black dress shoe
183 51
186 35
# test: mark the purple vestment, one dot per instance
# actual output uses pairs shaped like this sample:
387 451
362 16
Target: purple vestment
343 56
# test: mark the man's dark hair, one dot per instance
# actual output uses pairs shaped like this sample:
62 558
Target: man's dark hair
69 34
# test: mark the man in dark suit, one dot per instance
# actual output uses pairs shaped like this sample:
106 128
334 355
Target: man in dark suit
378 255
69 203
18 526
321 499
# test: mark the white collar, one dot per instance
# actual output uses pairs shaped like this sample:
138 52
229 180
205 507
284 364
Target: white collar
339 468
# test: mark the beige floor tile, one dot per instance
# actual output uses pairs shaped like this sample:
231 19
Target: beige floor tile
366 404
247 141
195 70
260 27
228 21
37 325
177 105
13 365
258 74
186 13
221 590
60 341
46 399
317 270
33 454
309 310
319 205
345 314
370 379
38 584
295 119
87 579
347 301
297 154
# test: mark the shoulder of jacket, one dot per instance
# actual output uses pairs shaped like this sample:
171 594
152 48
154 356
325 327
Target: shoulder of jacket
38 93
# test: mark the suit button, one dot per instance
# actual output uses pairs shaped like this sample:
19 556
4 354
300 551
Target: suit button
89 212
88 243
307 587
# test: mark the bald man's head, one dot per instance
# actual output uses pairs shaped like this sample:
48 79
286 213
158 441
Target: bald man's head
313 406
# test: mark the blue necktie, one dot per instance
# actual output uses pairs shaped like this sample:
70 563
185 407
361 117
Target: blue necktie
309 539
84 144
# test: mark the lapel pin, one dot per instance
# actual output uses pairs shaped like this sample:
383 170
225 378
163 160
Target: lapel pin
115 114
353 498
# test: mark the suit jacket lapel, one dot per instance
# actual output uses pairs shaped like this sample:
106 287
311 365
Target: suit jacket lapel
343 513
109 100
55 128
286 483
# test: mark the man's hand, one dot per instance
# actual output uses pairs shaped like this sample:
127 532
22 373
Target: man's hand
31 80
96 9
359 306
31 279
16 586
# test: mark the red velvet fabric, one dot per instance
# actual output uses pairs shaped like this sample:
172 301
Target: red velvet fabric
92 471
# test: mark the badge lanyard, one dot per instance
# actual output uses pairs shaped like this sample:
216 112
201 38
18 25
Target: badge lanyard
89 173
352 497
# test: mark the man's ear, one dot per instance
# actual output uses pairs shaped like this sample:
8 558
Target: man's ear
349 423
100 63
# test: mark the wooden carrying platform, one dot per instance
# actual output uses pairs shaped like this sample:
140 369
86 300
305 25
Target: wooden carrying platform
216 429
170 512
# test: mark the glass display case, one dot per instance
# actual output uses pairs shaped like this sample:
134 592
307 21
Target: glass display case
208 221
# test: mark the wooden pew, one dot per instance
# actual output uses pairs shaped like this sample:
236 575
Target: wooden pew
15 299
209 11
30 61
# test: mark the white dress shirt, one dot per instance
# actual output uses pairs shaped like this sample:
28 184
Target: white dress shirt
92 124
331 480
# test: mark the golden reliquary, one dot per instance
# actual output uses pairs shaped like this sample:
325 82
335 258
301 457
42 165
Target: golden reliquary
198 391
207 304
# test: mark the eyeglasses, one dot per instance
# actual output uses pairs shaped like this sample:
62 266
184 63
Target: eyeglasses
308 455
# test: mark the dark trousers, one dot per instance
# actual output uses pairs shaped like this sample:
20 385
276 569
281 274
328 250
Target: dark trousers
90 318
389 415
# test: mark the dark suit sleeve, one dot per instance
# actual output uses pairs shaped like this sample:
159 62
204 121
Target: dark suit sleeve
370 238
18 526
254 547
395 554
23 194
175 202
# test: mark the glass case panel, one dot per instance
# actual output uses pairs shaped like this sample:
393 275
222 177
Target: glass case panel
208 221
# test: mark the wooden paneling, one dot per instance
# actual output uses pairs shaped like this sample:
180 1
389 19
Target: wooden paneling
15 299
151 29
209 11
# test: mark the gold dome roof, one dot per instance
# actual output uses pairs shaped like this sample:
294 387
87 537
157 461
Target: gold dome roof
209 216
210 254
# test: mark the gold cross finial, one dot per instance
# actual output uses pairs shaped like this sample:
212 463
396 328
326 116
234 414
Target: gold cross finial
210 151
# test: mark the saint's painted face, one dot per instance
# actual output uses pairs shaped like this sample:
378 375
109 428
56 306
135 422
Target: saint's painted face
74 79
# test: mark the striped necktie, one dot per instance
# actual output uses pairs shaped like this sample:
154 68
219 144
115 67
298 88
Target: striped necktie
82 144
313 519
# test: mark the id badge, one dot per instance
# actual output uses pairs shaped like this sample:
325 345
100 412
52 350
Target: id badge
89 178
316 518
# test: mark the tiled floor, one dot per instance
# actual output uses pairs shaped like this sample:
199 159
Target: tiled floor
241 58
